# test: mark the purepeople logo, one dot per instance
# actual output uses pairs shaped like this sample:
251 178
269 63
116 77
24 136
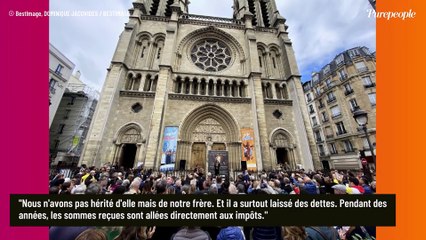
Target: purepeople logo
392 15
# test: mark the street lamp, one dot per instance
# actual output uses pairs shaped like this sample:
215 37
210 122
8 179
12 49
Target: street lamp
361 117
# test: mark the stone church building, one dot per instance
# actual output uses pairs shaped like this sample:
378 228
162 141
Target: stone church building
182 89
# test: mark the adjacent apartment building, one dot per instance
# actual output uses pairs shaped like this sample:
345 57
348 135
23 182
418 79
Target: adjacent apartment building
344 85
71 122
60 70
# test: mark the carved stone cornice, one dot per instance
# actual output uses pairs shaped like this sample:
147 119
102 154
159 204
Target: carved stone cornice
138 94
278 102
263 29
154 18
206 23
186 97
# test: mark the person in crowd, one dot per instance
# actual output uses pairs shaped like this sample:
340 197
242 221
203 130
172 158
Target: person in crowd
373 186
93 188
293 233
136 233
339 189
270 233
309 187
92 234
321 233
117 180
231 233
354 183
366 185
65 233
191 233
134 186
358 233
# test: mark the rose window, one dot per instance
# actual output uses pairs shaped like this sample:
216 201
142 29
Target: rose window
211 55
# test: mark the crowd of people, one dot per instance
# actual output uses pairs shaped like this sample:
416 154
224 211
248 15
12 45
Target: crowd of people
115 180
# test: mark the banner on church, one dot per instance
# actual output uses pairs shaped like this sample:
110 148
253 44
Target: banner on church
247 148
168 157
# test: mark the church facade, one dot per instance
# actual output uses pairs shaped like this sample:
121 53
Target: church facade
187 90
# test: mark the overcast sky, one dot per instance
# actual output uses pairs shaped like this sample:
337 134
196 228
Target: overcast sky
319 30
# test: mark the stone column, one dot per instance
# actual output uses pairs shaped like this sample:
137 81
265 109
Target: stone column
120 151
116 150
236 153
214 88
154 138
261 136
222 86
273 151
138 152
151 54
182 86
153 157
268 64
273 90
141 84
198 86
209 144
190 86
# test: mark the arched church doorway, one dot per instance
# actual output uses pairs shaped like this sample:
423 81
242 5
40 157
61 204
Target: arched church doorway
208 128
128 155
129 146
282 149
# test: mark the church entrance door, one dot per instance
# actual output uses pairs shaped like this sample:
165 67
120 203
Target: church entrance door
282 156
128 155
198 155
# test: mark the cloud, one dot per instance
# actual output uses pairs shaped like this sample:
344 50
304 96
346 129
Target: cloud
319 30
89 42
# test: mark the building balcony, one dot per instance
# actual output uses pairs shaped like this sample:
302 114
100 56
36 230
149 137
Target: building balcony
336 116
329 136
319 140
311 111
353 109
325 120
334 153
349 150
322 154
330 100
370 85
341 133
343 77
52 90
348 92
318 93
362 70
321 106
330 85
